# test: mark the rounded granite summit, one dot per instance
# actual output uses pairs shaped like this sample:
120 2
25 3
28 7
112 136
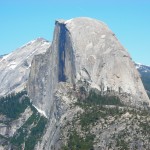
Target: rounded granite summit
83 24
85 49
101 59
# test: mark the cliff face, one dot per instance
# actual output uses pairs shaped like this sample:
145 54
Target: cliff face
77 89
15 67
47 70
84 52
84 49
103 61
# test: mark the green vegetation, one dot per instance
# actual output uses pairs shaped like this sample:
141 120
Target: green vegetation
145 76
35 134
148 94
94 108
76 142
146 81
93 114
14 104
22 132
145 127
30 132
107 112
102 114
97 99
122 144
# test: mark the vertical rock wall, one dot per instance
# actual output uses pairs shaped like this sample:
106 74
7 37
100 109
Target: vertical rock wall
56 65
82 49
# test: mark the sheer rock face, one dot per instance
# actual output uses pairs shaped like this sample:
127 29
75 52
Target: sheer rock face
47 70
15 67
102 60
84 49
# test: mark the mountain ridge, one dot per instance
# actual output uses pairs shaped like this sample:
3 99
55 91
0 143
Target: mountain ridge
144 71
84 56
79 54
20 61
83 92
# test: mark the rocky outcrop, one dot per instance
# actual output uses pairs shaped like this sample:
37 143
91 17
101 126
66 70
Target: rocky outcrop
47 70
84 62
8 130
15 67
102 60
83 50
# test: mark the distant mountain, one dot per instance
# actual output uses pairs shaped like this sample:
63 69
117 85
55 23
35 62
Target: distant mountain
1 56
145 75
15 67
142 68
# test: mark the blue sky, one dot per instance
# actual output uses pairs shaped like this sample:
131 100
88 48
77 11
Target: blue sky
24 20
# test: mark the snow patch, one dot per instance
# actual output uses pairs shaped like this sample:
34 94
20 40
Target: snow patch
137 67
142 68
5 57
95 86
68 21
126 115
139 64
41 111
28 43
32 53
103 36
78 76
32 41
12 65
45 43
29 66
